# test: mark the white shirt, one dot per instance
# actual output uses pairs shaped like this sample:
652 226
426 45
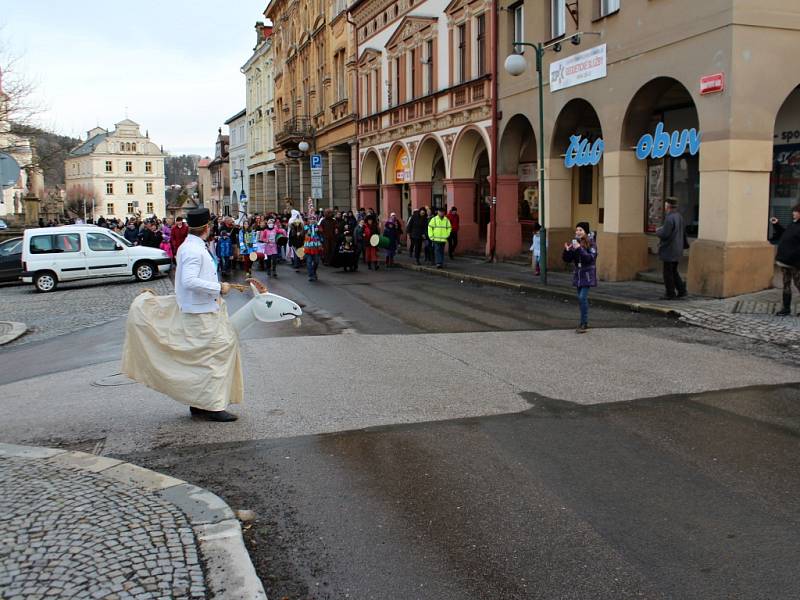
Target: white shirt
196 285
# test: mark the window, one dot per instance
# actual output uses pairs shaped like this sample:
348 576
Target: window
429 67
413 75
108 166
608 6
397 81
128 166
129 188
130 208
110 189
517 27
53 244
148 167
150 208
110 208
462 53
480 23
558 18
133 147
100 242
149 187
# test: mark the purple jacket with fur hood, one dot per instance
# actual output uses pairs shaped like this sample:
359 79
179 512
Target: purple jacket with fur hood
585 273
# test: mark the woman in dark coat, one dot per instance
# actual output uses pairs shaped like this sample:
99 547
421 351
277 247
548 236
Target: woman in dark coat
327 227
582 253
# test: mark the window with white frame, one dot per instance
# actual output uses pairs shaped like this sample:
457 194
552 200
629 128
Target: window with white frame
149 187
110 189
608 6
517 27
558 18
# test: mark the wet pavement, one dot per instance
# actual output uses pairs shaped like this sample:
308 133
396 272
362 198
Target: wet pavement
677 497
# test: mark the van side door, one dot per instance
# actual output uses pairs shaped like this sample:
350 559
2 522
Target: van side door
62 253
105 256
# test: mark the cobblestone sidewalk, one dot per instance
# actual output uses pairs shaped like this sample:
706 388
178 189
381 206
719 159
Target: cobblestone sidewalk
73 525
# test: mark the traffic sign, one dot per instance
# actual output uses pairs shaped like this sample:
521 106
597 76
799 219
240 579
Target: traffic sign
316 161
316 192
294 154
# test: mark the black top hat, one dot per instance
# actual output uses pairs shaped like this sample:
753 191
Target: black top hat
198 217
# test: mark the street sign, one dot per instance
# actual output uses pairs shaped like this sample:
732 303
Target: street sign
710 84
316 161
9 171
294 154
242 198
316 193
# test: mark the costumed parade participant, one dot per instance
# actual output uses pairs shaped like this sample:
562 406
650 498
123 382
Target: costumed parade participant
184 345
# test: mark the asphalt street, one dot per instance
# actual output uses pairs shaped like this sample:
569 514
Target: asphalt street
417 437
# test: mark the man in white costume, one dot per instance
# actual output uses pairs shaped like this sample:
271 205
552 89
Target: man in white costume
188 349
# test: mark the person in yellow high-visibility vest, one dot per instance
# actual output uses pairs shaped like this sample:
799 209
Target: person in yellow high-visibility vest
439 229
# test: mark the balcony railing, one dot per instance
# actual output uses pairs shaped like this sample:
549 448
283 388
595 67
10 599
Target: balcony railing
296 127
459 96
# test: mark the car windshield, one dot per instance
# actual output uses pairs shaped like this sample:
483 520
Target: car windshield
120 239
11 247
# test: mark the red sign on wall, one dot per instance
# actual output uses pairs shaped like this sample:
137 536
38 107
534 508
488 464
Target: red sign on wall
710 84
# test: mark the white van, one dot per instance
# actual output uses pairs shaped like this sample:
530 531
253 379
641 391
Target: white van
53 254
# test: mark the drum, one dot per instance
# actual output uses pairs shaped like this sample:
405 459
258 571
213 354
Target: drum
281 240
301 252
379 241
255 256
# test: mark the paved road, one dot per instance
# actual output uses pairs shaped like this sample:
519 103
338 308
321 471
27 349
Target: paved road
420 438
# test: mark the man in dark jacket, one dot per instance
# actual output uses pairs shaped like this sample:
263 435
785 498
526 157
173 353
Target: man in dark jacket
672 236
131 233
417 228
788 257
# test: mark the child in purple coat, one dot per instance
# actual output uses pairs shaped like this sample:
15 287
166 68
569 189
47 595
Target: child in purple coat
582 253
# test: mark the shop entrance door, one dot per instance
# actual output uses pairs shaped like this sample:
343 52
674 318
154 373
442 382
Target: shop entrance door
585 196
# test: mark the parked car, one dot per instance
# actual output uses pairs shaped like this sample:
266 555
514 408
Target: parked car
11 259
3 224
70 252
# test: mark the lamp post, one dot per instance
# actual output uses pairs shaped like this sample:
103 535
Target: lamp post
516 65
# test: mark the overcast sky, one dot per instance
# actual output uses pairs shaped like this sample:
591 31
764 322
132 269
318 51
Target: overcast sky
173 63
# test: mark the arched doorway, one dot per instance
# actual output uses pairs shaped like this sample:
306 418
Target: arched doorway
784 184
468 186
662 107
395 192
429 175
517 187
371 175
580 194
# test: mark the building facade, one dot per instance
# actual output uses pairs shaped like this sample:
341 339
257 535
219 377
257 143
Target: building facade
424 89
696 100
260 123
237 161
22 151
118 173
314 63
218 201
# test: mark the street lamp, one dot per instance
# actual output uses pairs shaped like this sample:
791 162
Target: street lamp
303 146
516 65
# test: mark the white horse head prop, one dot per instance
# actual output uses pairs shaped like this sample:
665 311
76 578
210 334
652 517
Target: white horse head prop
265 307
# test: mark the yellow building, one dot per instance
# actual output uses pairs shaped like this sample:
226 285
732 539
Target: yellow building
313 53
697 100
118 173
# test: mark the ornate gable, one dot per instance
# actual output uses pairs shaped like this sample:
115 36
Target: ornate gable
408 28
368 55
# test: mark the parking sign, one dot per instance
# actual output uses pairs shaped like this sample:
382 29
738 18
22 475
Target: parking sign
316 161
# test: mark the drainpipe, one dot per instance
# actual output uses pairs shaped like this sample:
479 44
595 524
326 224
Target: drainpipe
355 109
493 138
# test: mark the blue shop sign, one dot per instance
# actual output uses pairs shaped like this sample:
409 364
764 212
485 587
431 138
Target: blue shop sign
661 143
581 153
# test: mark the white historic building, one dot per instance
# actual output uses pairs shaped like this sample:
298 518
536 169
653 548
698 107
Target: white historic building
20 149
118 173
238 158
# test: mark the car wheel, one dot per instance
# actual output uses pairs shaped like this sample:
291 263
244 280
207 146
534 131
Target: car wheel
45 282
144 271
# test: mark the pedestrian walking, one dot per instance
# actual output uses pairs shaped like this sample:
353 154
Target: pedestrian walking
370 251
224 251
416 227
536 248
672 243
452 241
582 254
360 242
788 257
269 237
178 235
391 229
312 246
439 229
297 239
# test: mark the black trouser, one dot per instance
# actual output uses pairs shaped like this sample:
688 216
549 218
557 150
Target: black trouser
789 275
672 280
272 263
452 243
415 247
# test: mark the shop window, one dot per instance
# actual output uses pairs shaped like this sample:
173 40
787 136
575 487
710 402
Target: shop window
684 184
585 184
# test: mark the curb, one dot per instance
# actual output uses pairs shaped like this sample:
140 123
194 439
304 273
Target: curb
599 300
11 330
229 571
